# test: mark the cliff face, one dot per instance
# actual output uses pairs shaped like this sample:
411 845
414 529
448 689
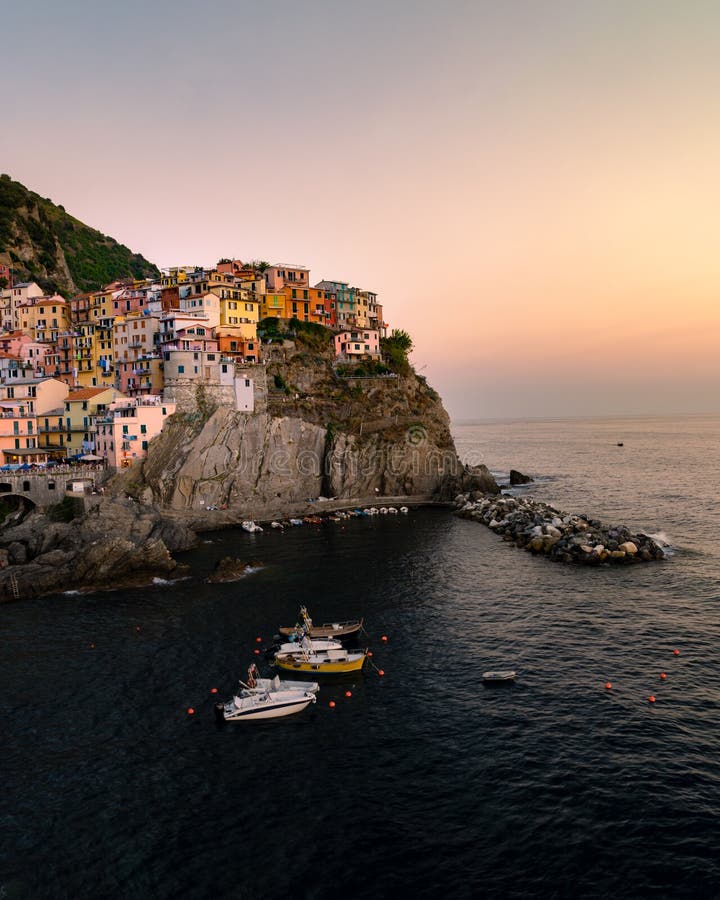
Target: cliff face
322 435
59 252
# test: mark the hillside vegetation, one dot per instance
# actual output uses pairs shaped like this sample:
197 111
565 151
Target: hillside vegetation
60 253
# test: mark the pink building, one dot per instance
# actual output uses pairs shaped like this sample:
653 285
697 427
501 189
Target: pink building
18 431
276 277
357 344
124 434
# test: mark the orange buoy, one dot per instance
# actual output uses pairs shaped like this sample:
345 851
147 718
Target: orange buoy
369 653
258 640
651 698
608 686
384 638
676 652
213 690
256 652
331 704
348 693
663 676
191 711
381 672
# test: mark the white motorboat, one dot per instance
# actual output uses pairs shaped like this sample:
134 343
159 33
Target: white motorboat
277 525
250 526
403 509
248 706
392 510
296 521
309 645
255 684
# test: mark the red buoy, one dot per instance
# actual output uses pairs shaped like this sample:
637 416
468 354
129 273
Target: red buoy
331 704
348 693
191 711
608 686
663 676
92 646
256 652
381 672
213 690
137 628
258 640
384 638
369 653
676 652
651 699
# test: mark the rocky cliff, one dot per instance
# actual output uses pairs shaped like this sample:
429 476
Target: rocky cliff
117 543
323 434
47 245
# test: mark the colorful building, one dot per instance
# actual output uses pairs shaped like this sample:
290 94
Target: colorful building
344 301
80 411
123 434
350 345
277 276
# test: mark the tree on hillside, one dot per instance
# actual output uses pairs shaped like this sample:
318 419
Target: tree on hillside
395 350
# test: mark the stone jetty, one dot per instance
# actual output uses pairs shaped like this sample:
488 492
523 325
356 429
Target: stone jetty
543 529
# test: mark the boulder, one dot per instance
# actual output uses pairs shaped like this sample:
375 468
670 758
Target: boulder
518 477
629 548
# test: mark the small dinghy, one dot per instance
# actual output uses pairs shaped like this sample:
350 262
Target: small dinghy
499 677
250 527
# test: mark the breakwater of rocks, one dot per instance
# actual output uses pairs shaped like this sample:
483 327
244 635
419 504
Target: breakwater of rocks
542 529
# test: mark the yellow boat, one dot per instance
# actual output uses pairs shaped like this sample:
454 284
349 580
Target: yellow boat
321 662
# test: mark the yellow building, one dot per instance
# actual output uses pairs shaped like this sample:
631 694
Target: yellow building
273 306
45 318
80 409
241 315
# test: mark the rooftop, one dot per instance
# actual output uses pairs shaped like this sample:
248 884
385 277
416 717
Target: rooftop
87 393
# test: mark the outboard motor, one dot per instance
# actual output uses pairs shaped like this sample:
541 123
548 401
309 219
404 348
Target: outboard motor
220 713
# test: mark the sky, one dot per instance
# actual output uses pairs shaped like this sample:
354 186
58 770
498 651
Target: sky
531 187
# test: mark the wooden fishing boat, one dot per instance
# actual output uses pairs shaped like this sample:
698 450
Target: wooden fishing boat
326 630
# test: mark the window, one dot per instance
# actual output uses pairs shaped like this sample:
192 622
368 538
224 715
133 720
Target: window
125 429
144 445
143 429
164 411
181 369
17 443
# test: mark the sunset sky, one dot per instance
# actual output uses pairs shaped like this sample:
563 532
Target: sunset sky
533 188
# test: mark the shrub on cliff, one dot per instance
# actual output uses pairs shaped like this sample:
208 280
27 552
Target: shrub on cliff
395 350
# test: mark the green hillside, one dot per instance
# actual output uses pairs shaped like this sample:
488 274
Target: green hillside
60 253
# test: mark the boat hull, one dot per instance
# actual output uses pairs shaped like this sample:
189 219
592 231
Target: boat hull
329 667
329 630
257 710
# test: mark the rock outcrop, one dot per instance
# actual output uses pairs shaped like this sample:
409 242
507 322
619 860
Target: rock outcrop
118 543
543 529
323 435
517 478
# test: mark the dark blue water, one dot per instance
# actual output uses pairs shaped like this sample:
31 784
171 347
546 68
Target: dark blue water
423 783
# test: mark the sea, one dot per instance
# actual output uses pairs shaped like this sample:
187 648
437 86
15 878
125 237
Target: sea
420 782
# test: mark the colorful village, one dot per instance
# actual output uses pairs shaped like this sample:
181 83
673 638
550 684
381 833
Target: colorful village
93 378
